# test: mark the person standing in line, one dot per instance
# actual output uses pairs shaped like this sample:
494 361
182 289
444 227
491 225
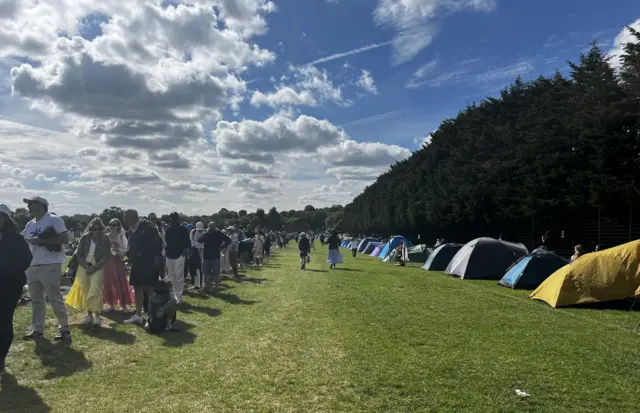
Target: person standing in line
157 224
115 287
46 235
94 249
258 248
178 244
197 249
214 241
15 259
233 250
334 257
312 240
354 246
304 248
144 244
267 245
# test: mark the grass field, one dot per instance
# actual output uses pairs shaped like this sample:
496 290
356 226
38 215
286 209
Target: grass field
368 337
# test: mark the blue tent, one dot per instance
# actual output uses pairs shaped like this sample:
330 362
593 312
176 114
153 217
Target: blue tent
345 243
530 271
393 243
363 244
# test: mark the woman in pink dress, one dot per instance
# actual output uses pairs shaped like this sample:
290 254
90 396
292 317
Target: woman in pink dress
116 289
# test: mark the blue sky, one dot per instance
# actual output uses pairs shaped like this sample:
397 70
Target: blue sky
246 103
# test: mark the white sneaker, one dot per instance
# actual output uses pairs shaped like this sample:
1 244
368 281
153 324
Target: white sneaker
178 300
97 321
109 309
136 319
87 320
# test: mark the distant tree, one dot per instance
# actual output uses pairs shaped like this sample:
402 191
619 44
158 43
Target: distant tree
262 217
242 213
21 217
111 213
273 219
309 208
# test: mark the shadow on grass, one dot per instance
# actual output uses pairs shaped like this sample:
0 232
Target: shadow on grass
311 270
15 398
616 305
109 334
232 298
180 334
117 317
188 308
346 269
243 279
63 359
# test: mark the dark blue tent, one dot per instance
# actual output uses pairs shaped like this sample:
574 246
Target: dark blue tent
440 257
530 271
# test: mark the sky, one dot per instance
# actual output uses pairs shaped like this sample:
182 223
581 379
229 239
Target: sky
200 105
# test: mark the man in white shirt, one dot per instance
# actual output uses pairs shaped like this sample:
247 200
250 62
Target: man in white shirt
46 235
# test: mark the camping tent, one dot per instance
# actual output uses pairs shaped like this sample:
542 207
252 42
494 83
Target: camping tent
363 244
418 253
441 257
393 243
485 258
530 271
345 243
376 252
612 274
370 247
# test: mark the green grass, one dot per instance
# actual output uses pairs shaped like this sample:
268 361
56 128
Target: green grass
373 338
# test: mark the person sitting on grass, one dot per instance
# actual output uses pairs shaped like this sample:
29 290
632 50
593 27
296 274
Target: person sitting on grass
162 309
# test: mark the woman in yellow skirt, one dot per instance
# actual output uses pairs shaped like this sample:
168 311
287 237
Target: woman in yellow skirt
93 251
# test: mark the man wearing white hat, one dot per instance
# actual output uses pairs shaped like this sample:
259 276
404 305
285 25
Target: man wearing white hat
46 235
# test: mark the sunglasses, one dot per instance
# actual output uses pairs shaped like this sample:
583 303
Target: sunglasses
96 229
114 225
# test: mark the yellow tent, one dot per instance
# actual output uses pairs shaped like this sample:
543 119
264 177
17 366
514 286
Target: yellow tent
612 274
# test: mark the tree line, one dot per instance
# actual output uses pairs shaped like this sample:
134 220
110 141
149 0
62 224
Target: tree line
542 153
308 219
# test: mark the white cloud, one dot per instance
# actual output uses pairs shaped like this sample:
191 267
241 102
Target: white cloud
414 21
255 141
416 80
363 154
621 39
367 83
285 95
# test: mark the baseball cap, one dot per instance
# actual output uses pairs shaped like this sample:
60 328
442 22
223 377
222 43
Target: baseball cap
38 199
5 210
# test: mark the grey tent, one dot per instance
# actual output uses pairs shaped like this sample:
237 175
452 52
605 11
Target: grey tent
485 258
441 257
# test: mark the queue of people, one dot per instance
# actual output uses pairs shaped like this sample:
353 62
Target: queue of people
159 260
